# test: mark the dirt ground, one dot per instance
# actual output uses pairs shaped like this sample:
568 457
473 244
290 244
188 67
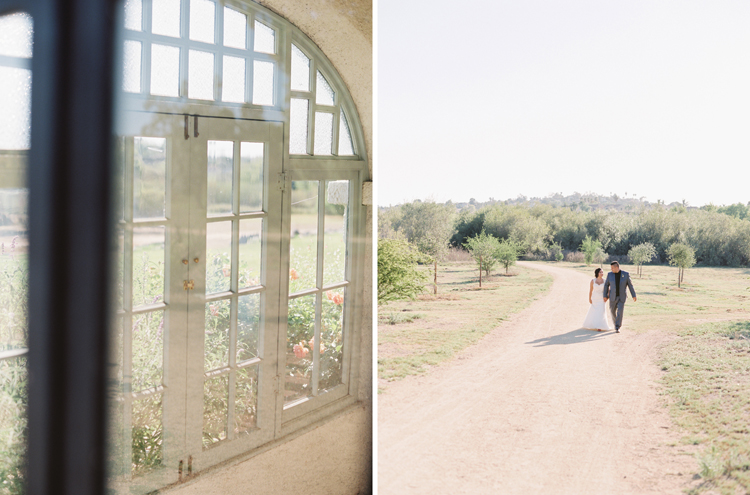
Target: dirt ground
537 406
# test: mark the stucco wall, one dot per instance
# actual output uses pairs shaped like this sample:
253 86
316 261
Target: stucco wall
335 457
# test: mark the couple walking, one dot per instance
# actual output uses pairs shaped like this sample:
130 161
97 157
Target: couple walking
613 290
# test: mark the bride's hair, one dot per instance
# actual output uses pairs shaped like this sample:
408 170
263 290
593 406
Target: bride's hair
596 272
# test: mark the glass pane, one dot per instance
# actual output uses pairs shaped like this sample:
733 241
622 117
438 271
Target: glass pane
16 35
334 252
248 327
215 408
251 177
134 15
300 70
220 172
165 18
13 423
148 265
346 148
165 70
298 126
202 13
246 399
303 247
332 339
233 80
299 356
235 28
147 434
201 75
323 133
15 107
131 74
148 350
216 342
265 38
262 83
149 177
324 93
250 252
14 266
119 269
218 256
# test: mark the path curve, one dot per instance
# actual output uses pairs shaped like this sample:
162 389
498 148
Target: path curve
537 406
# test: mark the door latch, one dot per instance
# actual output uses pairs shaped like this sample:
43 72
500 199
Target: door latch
188 284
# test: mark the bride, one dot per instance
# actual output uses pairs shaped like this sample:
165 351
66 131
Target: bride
596 318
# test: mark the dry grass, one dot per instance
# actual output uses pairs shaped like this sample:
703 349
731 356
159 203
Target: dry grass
458 316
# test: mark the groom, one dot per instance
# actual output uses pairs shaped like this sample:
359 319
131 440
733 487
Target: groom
614 290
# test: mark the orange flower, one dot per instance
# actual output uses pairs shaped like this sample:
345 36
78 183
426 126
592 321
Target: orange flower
330 295
338 299
293 274
226 270
214 309
299 351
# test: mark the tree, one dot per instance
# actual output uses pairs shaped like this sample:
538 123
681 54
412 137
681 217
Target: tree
507 253
589 247
483 248
600 256
556 252
398 274
682 256
428 225
640 254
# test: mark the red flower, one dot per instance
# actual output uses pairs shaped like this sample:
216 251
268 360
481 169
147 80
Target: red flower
338 299
293 274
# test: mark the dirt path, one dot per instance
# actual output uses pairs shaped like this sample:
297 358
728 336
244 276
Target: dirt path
538 406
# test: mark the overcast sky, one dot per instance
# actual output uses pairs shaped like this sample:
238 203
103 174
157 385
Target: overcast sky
480 99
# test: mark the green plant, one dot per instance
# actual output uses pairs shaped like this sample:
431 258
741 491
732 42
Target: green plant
507 253
642 253
398 274
483 249
682 256
589 248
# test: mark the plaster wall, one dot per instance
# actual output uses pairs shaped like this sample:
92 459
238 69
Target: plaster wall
334 457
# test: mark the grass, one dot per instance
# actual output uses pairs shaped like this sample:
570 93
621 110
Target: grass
416 335
705 365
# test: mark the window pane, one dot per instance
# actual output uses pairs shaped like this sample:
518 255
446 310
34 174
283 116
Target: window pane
165 70
233 80
218 256
147 434
165 18
235 28
131 75
248 327
303 246
246 399
251 231
265 38
262 83
148 265
298 126
324 94
323 133
16 35
215 408
216 341
346 147
334 253
299 355
15 399
149 177
148 350
15 107
220 174
332 339
300 70
134 15
251 177
201 75
202 13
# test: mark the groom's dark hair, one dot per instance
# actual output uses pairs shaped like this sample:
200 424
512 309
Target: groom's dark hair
614 263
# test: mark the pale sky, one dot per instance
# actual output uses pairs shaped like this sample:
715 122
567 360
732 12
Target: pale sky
496 98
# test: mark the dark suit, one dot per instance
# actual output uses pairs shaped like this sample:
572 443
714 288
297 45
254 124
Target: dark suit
617 303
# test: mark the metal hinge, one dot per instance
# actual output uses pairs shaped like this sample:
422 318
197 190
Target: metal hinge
282 181
188 284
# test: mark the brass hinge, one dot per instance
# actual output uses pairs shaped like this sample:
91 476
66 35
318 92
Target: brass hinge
188 284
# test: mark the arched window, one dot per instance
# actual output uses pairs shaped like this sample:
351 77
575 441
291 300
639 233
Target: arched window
240 163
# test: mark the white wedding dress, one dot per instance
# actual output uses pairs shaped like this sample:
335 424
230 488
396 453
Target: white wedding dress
597 317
